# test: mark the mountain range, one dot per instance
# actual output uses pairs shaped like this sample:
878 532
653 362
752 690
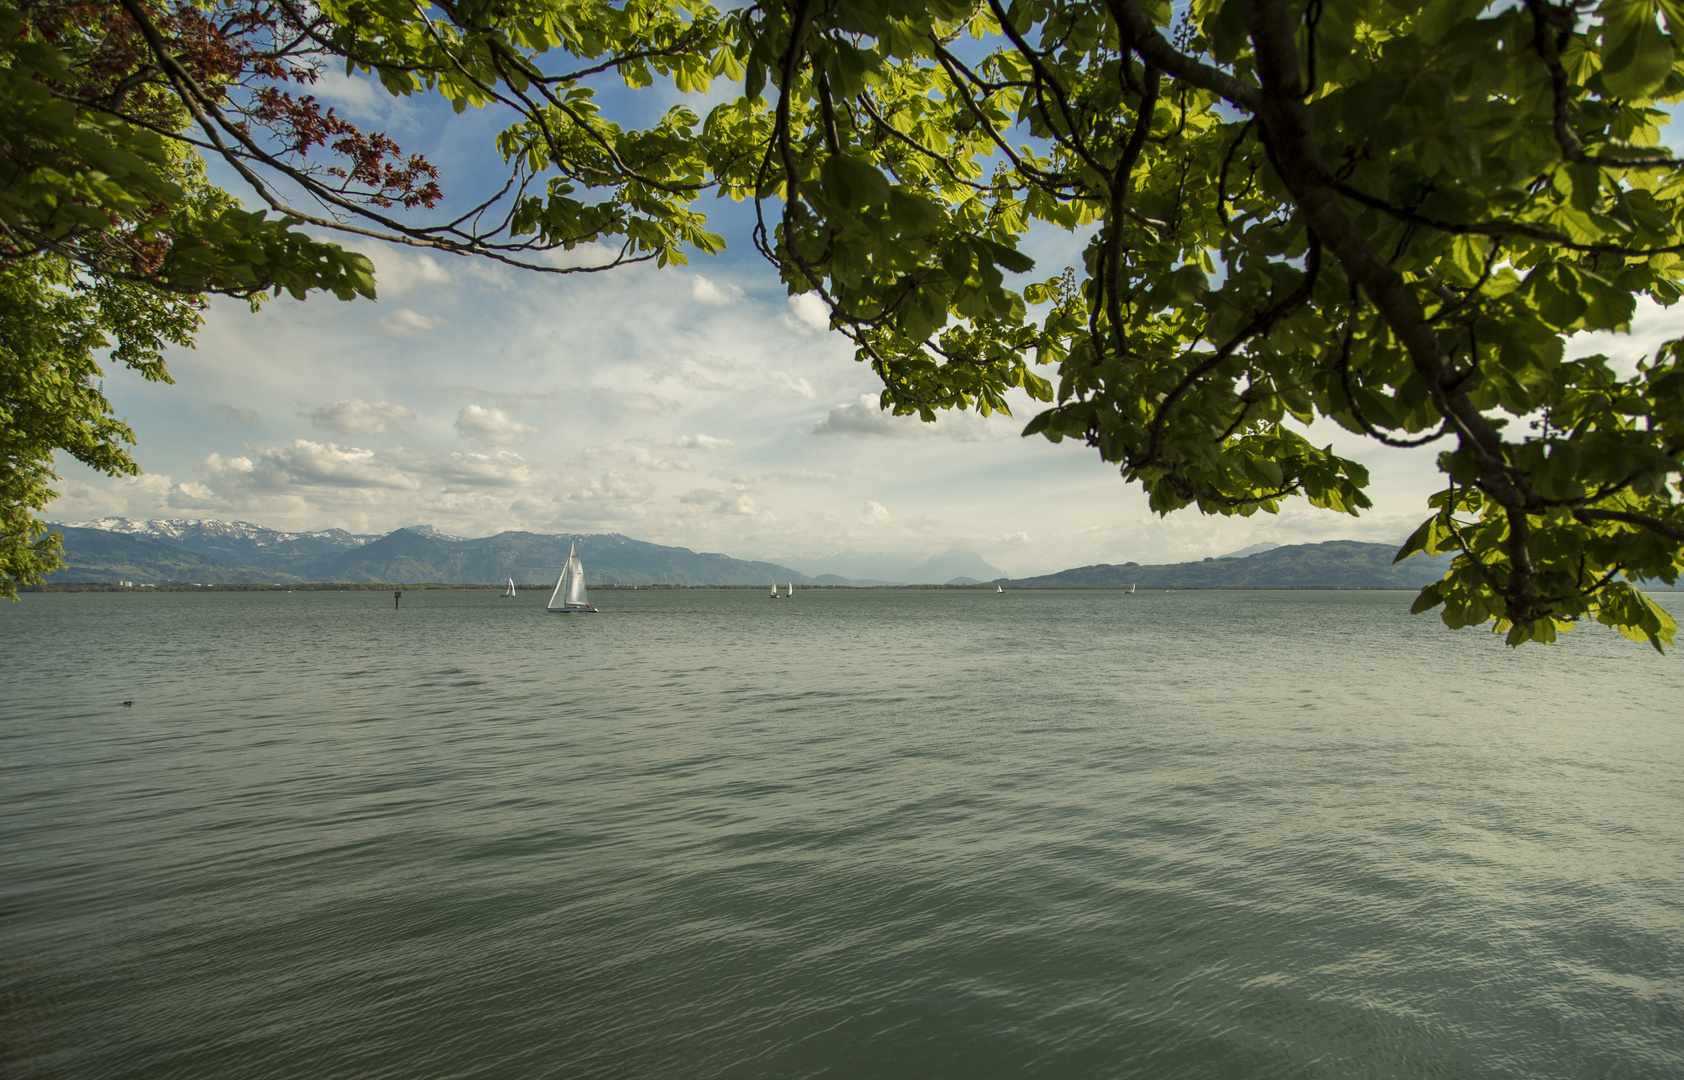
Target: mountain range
1335 564
237 552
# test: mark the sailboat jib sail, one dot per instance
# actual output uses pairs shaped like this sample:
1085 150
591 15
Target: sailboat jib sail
509 593
569 594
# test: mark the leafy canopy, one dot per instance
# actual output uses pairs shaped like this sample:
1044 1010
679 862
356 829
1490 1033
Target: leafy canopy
1389 215
111 237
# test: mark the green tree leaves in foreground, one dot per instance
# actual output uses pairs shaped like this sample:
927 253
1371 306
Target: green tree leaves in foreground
111 237
1390 216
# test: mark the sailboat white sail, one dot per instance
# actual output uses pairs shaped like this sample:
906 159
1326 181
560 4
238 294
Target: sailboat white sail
509 594
775 593
791 592
569 595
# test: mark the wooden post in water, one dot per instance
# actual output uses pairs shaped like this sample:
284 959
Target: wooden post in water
397 599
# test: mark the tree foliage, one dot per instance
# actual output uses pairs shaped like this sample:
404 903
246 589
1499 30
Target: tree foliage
1392 216
111 235
1388 215
51 325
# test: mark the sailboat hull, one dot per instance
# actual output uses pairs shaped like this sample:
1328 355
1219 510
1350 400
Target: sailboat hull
586 610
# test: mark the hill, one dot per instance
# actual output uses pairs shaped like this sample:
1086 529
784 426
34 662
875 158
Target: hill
230 553
1336 564
226 553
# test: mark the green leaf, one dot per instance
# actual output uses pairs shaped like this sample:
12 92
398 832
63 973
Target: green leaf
1636 53
853 183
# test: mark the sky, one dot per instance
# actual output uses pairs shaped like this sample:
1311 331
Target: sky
698 406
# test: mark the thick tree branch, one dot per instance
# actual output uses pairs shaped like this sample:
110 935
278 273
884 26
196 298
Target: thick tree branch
1654 525
1288 135
1150 44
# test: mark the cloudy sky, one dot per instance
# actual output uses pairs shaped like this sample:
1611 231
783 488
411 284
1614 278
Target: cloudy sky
699 406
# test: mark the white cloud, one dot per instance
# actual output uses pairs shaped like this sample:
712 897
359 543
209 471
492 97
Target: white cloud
398 270
354 416
305 464
406 323
866 418
801 475
874 513
311 465
704 291
692 372
698 442
739 504
583 255
309 484
359 98
396 274
809 312
482 425
193 496
613 487
641 456
800 387
239 416
491 273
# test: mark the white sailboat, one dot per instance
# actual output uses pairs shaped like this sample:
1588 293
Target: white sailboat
1132 588
509 593
790 595
775 594
999 589
569 595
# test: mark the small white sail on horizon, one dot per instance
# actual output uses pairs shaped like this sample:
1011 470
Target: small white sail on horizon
509 594
569 595
791 593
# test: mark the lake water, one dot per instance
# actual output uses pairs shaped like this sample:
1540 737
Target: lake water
855 834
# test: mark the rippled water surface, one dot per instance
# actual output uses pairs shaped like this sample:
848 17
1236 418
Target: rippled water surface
872 834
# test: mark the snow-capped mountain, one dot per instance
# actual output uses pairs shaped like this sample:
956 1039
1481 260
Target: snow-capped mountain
238 543
165 550
186 530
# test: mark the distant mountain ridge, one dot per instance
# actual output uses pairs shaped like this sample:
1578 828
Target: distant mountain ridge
1335 564
238 552
262 550
225 553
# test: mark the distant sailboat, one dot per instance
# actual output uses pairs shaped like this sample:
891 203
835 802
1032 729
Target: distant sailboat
790 595
509 594
775 594
569 595
999 588
1132 588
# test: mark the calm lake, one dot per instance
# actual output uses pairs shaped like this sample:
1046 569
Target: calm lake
888 833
